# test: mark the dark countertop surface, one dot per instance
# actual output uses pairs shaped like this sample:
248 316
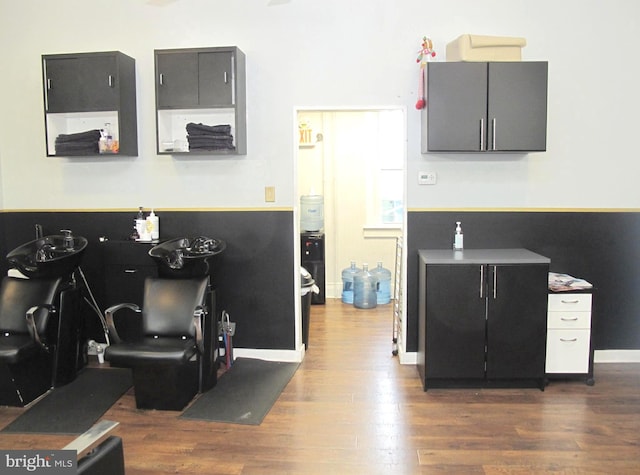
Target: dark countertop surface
481 256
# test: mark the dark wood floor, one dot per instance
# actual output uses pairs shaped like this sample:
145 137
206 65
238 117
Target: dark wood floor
351 408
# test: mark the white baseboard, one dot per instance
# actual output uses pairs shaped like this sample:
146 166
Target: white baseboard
616 356
408 358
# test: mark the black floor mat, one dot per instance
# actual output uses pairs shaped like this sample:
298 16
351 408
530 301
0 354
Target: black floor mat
75 407
244 394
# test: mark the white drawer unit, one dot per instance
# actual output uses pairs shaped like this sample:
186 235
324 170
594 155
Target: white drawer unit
569 302
569 348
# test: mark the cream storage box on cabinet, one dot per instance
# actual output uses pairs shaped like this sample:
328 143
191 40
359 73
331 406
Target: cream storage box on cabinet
569 348
485 48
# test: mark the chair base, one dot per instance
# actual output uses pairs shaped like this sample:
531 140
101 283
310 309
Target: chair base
165 387
25 381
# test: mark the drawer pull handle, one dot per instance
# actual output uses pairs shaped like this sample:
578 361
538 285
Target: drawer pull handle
130 271
570 301
566 319
568 340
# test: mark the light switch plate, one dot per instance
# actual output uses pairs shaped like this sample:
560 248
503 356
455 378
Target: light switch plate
269 194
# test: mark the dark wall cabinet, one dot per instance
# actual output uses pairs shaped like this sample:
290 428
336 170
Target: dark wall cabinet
485 107
482 318
204 86
85 91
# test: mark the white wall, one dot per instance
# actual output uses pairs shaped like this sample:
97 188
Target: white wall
331 53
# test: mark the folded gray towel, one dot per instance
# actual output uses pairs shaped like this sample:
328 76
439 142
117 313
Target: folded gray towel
202 129
88 136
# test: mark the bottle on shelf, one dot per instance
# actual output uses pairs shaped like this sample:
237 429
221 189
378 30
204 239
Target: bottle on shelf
106 143
141 225
458 238
153 225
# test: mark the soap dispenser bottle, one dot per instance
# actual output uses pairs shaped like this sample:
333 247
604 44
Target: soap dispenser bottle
153 225
458 238
141 223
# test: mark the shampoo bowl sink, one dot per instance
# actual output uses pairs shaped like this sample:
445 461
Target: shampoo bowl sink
186 257
56 255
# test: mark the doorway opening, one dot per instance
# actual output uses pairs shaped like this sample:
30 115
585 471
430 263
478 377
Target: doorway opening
355 160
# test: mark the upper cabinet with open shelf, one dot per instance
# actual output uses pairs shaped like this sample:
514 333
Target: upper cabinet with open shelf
201 101
86 92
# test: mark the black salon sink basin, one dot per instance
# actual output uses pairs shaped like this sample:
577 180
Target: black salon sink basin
187 257
57 255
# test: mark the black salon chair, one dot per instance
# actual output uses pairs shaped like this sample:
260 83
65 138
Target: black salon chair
27 337
106 459
166 361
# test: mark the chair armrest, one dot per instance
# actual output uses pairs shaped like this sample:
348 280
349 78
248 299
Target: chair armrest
31 323
92 437
197 323
108 316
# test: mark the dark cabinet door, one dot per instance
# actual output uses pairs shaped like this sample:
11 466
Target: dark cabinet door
63 85
194 79
517 113
215 79
83 83
455 322
102 83
517 321
177 79
457 106
479 107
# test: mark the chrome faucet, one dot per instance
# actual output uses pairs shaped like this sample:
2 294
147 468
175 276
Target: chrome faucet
68 238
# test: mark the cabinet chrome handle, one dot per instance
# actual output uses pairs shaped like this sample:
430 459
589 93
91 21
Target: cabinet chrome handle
493 134
110 80
568 340
565 319
226 78
48 83
161 79
130 271
481 282
482 148
570 301
495 282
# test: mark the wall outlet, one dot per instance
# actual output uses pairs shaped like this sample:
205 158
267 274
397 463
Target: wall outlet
427 178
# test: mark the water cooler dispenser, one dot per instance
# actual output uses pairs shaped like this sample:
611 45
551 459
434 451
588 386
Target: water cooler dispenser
312 248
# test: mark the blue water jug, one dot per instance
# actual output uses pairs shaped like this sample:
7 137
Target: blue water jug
347 282
364 289
383 290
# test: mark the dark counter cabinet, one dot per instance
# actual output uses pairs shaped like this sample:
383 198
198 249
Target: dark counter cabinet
201 86
482 318
485 107
87 91
126 265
